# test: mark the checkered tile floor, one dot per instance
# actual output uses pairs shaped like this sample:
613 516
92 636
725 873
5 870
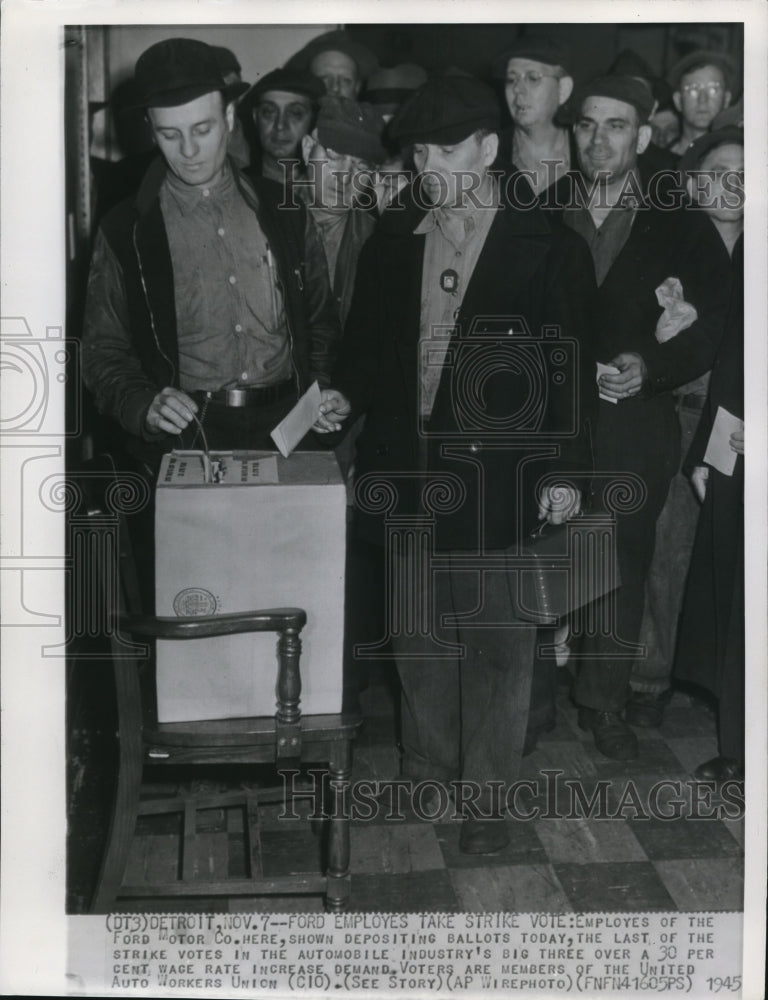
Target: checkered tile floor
626 860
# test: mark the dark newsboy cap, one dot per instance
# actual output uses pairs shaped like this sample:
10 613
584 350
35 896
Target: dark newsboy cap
176 71
446 109
289 81
692 157
703 58
621 88
348 127
537 48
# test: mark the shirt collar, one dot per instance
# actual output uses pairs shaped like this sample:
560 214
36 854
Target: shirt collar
188 197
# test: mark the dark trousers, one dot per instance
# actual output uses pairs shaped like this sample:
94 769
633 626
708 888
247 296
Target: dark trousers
465 686
641 438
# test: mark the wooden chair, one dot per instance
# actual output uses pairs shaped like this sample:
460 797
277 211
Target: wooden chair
285 739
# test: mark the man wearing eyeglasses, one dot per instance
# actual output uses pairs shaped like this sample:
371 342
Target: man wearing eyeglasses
702 83
536 84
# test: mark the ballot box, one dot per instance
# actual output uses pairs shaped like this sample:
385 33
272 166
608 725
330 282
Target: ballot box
267 532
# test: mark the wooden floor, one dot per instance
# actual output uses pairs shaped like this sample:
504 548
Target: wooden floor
564 860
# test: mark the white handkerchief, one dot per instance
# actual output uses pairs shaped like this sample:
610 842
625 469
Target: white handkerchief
719 453
295 424
605 370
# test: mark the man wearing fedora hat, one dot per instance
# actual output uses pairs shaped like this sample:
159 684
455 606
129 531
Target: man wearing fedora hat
340 62
477 271
206 306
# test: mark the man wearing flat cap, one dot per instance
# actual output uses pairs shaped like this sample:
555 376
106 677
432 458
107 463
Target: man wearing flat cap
444 321
702 84
283 106
660 312
206 307
341 63
537 83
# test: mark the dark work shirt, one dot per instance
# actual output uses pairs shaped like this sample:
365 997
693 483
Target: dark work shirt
606 241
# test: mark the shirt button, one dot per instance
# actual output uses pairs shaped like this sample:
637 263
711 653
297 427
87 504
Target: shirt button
238 328
244 377
232 279
206 192
220 231
458 253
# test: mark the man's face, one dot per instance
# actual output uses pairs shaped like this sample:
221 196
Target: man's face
193 137
451 171
701 96
665 126
338 72
719 189
282 119
534 91
608 138
339 178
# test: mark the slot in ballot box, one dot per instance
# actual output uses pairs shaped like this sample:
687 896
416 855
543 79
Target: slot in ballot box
271 532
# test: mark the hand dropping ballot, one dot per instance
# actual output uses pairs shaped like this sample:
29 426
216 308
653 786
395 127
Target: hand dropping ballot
719 453
298 422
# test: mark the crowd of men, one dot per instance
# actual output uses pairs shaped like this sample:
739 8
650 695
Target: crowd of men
381 231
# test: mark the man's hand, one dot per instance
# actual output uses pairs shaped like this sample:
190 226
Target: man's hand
699 478
171 411
558 503
629 380
334 408
736 441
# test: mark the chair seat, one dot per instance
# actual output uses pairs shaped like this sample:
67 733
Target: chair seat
257 731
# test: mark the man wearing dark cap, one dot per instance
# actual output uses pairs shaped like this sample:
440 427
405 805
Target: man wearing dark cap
341 154
283 106
206 306
338 60
702 85
536 85
441 322
645 254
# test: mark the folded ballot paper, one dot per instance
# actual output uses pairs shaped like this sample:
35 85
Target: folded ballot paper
719 453
298 422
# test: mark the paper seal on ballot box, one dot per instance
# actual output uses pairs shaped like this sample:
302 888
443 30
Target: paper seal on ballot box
268 532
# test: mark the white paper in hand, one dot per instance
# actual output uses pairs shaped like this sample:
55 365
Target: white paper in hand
295 424
605 370
719 453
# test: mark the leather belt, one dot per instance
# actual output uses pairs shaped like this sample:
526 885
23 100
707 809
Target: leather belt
249 395
692 401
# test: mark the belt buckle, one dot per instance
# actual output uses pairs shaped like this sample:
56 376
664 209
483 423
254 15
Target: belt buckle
236 397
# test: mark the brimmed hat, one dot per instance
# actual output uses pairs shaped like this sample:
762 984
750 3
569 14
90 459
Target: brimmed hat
393 85
620 88
231 71
699 148
335 41
704 58
446 109
176 71
537 48
289 81
348 127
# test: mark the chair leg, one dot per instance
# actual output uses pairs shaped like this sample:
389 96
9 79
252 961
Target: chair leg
338 881
122 828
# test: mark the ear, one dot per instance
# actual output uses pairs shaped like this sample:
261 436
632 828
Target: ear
229 115
677 100
643 138
564 88
490 148
727 99
689 188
